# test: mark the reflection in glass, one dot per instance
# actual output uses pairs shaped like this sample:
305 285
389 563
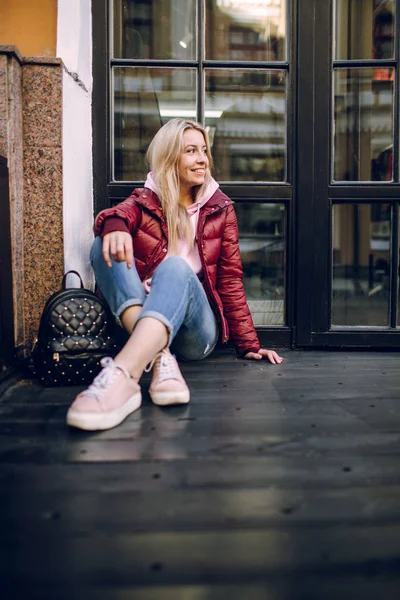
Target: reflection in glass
263 251
145 99
246 114
361 264
365 29
363 125
155 29
240 30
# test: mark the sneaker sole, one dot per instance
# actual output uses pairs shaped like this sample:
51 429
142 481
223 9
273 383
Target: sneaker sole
108 420
167 398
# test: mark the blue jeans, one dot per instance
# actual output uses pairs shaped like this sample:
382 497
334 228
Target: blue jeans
176 298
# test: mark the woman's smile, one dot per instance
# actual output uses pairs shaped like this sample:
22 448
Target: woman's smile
193 160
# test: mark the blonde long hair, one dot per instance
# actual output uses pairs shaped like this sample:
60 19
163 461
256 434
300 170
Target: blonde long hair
163 157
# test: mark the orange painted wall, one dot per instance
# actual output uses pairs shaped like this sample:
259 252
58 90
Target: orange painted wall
31 25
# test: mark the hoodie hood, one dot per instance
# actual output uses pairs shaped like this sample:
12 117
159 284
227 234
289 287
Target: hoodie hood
150 183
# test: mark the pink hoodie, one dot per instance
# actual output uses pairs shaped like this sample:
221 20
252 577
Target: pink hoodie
190 256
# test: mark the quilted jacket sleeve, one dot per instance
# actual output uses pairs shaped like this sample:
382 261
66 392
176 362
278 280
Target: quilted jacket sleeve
231 291
127 210
111 224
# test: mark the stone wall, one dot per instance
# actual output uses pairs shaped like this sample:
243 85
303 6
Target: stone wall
31 140
43 191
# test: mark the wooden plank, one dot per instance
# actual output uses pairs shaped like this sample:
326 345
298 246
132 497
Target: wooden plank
69 513
200 558
225 408
244 390
199 423
302 586
184 447
211 472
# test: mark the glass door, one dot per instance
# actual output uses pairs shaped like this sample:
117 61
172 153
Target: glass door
227 64
351 210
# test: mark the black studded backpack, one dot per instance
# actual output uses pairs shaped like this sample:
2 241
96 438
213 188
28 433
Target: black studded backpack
76 331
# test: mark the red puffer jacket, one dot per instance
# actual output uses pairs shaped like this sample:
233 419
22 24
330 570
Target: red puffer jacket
218 244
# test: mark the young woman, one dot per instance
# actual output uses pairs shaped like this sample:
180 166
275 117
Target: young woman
167 261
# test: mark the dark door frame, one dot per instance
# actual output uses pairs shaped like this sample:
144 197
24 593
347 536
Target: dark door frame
309 195
316 193
6 281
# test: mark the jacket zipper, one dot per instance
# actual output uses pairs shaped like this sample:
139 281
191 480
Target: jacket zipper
202 219
158 262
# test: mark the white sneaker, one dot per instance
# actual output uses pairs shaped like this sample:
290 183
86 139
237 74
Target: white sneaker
111 397
167 385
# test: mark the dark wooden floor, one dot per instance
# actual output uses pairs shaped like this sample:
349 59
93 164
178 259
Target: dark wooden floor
275 483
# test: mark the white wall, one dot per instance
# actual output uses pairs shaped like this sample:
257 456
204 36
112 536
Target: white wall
74 47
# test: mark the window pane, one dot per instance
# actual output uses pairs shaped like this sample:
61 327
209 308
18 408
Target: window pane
237 30
363 125
361 264
365 29
155 29
263 251
145 99
246 113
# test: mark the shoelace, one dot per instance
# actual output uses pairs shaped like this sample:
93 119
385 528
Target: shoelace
105 378
166 366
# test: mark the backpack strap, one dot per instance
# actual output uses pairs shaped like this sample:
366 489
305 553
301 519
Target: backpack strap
64 279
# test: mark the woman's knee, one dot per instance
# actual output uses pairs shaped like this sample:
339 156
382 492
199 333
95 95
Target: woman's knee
175 267
189 350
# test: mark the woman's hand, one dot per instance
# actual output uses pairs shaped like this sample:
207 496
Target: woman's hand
119 245
272 356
